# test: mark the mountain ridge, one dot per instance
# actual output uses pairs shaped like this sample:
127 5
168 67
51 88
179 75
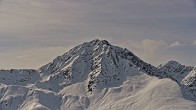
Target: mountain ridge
87 69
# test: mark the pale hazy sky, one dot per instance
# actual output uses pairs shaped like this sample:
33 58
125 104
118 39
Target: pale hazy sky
33 32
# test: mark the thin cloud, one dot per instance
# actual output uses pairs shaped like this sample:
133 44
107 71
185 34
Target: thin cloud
30 58
147 49
194 42
176 44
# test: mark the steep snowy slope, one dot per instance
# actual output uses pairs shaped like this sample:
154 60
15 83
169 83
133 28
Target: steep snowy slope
138 92
19 77
102 64
99 76
23 98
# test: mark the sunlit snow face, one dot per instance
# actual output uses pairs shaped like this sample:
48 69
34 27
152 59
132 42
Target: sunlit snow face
155 30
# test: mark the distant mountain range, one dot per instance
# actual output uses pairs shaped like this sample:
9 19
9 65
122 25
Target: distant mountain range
99 76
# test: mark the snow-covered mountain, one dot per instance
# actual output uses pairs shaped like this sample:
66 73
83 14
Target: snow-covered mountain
99 76
185 76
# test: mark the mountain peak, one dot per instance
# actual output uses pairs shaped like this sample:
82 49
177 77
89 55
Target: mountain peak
173 62
170 64
174 66
101 65
99 42
97 61
95 75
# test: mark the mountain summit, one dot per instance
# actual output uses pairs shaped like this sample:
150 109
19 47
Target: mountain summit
98 75
100 63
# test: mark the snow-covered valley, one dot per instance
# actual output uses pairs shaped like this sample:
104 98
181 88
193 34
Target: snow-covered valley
99 76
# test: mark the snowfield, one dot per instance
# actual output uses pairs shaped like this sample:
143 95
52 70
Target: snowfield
99 76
